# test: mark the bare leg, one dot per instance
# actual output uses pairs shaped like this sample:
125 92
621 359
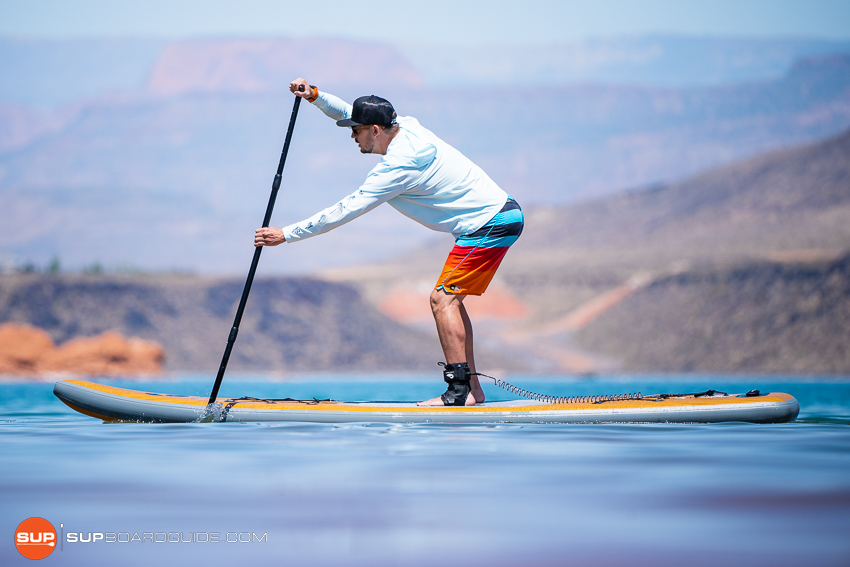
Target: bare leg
475 386
455 331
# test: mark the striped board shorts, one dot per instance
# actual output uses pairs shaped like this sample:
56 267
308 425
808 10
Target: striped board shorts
473 261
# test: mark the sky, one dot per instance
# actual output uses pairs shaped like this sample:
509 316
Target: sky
434 21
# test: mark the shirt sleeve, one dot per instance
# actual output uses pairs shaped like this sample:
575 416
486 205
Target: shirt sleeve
382 184
333 106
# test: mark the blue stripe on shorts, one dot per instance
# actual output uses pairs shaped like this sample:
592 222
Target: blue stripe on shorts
500 232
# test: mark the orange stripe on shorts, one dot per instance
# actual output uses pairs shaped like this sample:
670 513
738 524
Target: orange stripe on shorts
468 271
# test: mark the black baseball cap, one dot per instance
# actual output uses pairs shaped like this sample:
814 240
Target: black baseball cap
370 110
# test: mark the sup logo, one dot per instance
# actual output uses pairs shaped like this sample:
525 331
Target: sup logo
35 538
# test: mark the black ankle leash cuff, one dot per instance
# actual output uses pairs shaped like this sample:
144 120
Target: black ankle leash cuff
457 376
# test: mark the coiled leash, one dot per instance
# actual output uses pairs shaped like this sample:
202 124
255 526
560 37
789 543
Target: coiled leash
599 399
596 399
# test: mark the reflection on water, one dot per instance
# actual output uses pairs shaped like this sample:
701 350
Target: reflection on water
377 494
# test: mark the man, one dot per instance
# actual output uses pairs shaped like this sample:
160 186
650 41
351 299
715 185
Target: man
429 181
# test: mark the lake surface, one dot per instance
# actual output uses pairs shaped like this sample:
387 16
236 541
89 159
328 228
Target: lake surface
377 494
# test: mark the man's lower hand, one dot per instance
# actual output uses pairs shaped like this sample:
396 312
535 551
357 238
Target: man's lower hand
269 236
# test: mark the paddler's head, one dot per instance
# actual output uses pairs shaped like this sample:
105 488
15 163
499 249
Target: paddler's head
373 124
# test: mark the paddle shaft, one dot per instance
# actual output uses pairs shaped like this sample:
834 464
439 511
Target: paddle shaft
257 251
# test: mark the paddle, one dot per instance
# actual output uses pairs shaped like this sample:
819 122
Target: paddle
257 251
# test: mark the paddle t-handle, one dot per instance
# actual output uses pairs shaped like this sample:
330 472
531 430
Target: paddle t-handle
231 339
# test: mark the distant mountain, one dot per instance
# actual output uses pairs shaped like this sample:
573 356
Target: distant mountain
59 72
794 199
656 61
177 174
579 143
20 125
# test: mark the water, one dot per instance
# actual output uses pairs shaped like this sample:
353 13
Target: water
379 494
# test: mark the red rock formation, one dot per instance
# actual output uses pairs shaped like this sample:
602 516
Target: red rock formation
21 348
26 350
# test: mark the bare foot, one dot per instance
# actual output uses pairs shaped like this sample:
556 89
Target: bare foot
475 392
431 402
470 400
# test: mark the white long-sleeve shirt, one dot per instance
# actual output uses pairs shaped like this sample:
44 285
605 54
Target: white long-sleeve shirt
421 176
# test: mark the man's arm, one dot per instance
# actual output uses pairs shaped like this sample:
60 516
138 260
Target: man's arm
333 106
381 185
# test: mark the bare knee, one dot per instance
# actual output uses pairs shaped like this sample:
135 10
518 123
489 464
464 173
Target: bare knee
436 301
441 301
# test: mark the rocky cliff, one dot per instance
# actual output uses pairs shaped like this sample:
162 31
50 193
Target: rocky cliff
296 324
28 350
765 317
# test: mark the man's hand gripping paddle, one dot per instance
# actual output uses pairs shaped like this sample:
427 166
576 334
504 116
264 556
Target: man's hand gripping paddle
213 411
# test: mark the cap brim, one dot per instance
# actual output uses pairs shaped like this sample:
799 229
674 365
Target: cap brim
347 123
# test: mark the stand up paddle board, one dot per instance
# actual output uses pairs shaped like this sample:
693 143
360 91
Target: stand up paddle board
110 404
